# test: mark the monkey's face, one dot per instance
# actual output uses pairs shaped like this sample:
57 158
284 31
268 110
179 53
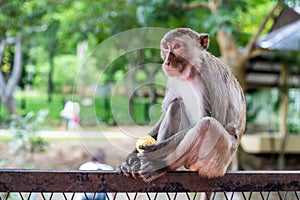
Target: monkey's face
181 50
173 55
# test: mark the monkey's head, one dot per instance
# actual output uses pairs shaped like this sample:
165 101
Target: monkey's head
181 50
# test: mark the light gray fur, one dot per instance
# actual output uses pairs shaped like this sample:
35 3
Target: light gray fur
203 114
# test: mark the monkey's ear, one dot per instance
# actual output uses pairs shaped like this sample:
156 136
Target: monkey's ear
204 40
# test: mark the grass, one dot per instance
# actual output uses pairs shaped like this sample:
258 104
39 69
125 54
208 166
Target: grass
101 112
35 101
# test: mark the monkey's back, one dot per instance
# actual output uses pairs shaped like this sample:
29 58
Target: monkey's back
225 95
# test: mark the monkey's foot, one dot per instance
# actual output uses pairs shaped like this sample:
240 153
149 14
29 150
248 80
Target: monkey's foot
129 166
151 176
127 172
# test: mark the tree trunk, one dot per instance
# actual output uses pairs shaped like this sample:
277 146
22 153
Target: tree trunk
2 81
11 105
52 52
152 89
7 88
151 82
131 84
283 113
82 48
50 80
234 59
52 42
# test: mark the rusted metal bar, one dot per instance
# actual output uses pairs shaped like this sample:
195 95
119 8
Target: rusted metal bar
109 181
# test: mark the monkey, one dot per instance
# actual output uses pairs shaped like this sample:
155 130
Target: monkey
203 113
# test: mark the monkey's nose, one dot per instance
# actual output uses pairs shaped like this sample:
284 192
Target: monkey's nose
169 59
167 63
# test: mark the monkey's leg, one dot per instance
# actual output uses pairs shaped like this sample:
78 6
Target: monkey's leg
207 148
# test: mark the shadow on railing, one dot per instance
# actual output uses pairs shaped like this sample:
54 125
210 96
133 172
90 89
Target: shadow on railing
56 185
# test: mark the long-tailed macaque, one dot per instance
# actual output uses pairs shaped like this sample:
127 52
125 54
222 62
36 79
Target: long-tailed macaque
203 113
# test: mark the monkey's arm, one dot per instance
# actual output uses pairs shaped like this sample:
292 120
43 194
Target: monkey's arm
170 102
172 131
131 164
154 131
153 161
171 121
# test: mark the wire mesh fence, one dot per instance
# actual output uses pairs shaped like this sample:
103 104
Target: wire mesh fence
154 196
78 185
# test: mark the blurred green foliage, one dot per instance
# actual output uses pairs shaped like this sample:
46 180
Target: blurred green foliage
25 140
43 23
56 27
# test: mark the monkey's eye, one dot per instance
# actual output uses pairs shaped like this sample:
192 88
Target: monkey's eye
176 46
165 46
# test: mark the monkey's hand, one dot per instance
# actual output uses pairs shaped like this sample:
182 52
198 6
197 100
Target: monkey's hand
153 164
130 165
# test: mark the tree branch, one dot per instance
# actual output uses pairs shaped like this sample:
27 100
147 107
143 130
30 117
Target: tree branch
213 5
17 69
252 41
195 5
190 6
2 82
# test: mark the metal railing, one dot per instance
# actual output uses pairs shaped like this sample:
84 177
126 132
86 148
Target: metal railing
54 184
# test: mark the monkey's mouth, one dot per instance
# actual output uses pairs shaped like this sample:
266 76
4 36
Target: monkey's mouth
170 69
175 63
178 67
181 63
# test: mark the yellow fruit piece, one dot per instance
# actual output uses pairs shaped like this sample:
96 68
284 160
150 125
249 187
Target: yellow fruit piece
144 141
